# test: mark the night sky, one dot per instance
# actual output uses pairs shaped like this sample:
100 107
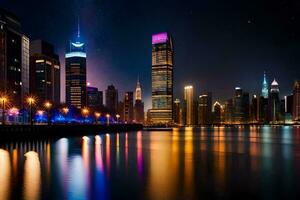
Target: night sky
218 44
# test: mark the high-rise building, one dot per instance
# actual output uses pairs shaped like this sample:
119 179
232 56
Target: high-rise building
274 103
139 105
265 90
241 106
94 98
177 111
205 109
162 78
111 99
189 100
228 112
76 84
44 72
296 101
217 113
14 59
128 107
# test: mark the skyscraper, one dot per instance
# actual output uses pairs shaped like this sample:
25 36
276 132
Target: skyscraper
162 78
139 105
94 98
14 59
296 101
264 90
217 113
76 94
111 99
241 106
128 107
274 103
44 72
177 111
189 99
204 109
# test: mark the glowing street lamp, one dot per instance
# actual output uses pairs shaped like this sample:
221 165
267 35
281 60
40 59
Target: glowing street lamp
118 117
107 116
85 112
40 113
65 111
97 116
3 100
48 106
31 101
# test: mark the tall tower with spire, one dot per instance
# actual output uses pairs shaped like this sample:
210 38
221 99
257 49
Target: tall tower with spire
76 94
138 90
264 90
139 105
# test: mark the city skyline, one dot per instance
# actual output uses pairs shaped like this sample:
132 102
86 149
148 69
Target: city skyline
241 61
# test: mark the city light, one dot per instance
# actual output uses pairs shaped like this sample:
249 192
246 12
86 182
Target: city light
31 100
48 105
3 100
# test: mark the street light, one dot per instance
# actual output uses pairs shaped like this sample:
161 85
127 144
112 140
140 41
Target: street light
3 100
48 106
97 116
85 112
31 102
118 116
65 111
40 113
107 116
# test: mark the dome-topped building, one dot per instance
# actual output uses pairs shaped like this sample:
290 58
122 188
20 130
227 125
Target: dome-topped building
274 86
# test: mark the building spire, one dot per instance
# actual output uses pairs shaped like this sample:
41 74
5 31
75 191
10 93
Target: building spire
78 28
264 90
138 90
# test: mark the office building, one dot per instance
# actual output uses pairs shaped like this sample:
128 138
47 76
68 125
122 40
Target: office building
14 59
162 78
128 107
76 84
94 98
217 113
177 111
241 106
296 101
205 109
274 103
189 105
44 72
111 100
139 105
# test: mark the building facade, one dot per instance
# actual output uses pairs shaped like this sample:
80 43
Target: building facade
14 59
189 105
264 89
44 72
76 85
296 101
162 78
94 98
177 111
111 99
205 109
128 107
274 103
138 105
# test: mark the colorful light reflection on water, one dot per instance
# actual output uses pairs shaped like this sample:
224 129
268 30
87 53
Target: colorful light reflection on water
255 162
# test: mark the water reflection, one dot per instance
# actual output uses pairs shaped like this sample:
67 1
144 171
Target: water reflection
190 164
5 175
32 176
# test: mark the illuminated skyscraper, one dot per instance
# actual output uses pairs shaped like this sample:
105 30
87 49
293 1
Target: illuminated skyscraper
162 78
14 59
139 105
217 113
177 111
204 109
189 99
76 85
44 72
264 90
274 103
296 101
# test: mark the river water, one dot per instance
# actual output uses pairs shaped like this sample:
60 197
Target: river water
208 163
